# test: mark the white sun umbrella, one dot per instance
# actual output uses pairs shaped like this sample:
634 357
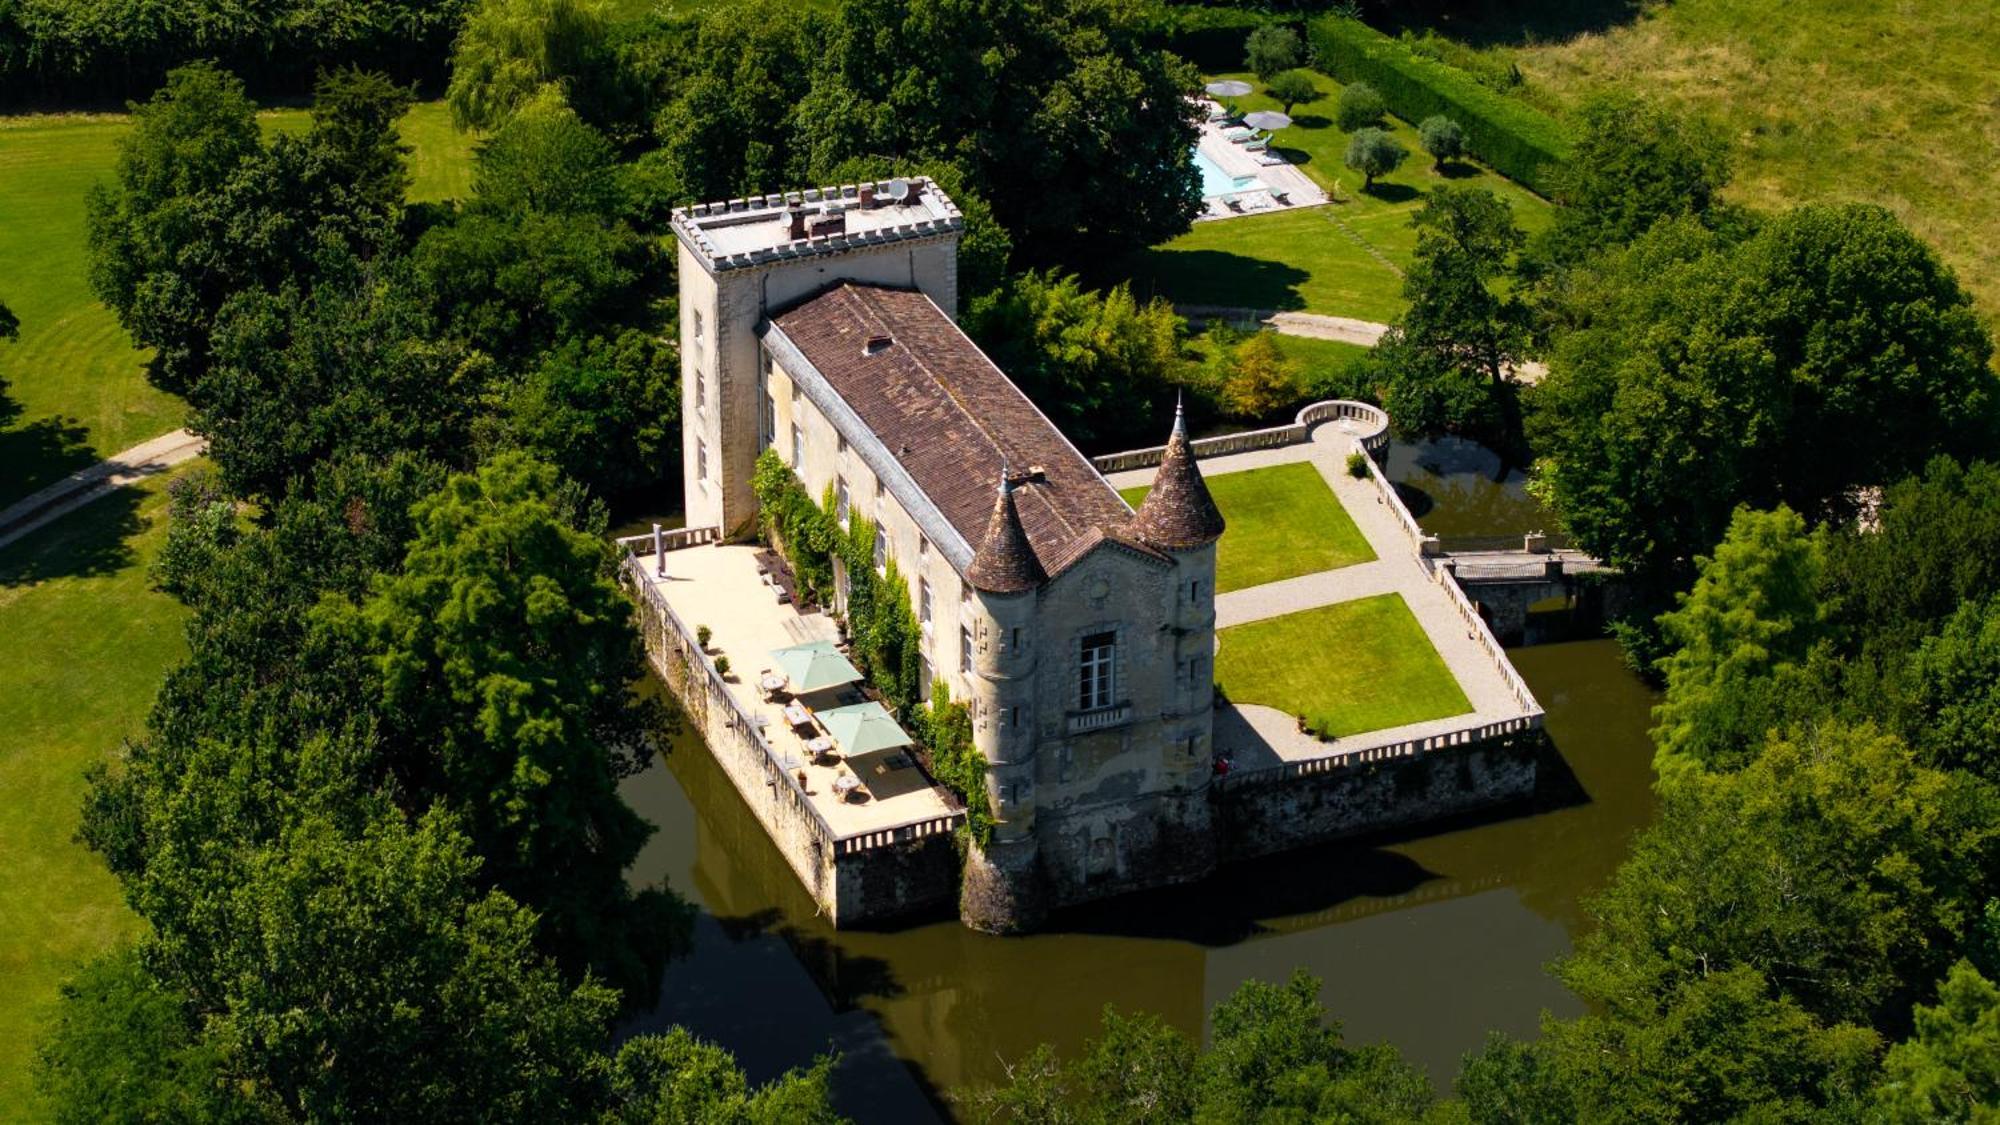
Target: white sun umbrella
1228 88
815 666
1269 120
863 728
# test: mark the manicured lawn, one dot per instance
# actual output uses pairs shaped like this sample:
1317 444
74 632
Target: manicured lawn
1349 667
75 388
1283 522
1832 100
1343 259
88 643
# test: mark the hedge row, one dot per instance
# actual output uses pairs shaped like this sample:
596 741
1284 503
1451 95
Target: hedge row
1521 143
1209 37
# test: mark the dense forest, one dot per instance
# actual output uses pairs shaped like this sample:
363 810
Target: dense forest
373 828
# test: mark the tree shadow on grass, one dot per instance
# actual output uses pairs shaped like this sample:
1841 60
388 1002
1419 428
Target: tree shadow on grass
1312 121
88 542
1458 170
38 454
1213 277
1392 193
1294 155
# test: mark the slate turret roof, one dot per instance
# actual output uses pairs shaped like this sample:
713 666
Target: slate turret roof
1178 514
1005 562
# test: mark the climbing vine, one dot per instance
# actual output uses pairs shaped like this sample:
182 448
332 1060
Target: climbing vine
881 626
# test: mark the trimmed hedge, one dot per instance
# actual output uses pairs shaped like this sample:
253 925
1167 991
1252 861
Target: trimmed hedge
1521 143
1210 38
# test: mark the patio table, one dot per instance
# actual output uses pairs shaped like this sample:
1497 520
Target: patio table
819 746
845 784
772 682
797 715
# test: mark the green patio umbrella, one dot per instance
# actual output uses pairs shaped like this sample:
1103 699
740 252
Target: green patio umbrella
863 729
814 666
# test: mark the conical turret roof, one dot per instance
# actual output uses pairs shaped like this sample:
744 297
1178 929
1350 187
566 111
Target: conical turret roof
1005 562
1178 514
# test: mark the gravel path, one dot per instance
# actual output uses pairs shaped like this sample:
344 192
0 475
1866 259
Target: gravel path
1319 326
148 458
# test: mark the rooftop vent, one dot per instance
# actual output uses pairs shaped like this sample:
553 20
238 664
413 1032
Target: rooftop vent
876 344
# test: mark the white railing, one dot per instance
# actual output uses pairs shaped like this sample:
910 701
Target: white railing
745 724
1099 719
1373 436
1407 748
675 540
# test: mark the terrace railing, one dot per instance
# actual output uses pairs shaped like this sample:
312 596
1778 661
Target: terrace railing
675 633
1371 429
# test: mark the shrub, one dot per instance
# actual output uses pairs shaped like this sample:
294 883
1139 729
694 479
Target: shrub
1360 106
1373 152
1292 87
722 666
1442 138
1211 38
701 635
1272 48
1518 141
1357 465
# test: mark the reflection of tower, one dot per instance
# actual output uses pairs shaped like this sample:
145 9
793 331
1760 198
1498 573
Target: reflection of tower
743 258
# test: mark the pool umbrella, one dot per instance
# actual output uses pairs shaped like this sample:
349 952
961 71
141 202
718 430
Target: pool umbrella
1228 88
1269 120
863 729
815 666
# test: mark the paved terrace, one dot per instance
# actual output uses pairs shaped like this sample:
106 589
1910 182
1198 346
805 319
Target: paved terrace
1264 737
718 586
1284 185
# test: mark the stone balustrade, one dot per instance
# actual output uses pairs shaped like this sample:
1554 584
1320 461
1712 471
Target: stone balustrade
1371 429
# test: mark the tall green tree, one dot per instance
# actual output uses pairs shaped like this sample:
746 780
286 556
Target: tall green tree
1829 351
1458 330
1635 162
505 657
1741 640
509 51
1949 1070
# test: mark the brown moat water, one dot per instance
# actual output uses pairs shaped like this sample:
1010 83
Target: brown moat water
1427 941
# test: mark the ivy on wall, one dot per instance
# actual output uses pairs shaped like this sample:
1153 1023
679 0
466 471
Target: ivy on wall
881 626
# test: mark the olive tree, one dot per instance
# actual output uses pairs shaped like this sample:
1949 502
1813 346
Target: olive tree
1292 87
1442 138
1361 106
1373 152
1272 48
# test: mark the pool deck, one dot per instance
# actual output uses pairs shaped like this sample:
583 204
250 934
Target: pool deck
1263 737
1285 187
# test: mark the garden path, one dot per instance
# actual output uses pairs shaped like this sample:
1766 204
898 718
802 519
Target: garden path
1319 326
148 458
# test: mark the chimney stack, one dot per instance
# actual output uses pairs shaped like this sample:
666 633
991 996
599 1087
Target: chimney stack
867 196
797 215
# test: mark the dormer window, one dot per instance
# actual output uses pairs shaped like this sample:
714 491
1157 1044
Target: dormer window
876 345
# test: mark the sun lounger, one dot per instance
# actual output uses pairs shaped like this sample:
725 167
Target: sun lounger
1270 159
1238 133
1257 144
1233 202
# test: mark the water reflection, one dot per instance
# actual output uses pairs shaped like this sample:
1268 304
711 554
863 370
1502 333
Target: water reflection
1462 493
1426 941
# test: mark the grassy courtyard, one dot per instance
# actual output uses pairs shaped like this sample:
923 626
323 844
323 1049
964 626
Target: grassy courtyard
75 387
1348 667
1343 259
90 641
1283 522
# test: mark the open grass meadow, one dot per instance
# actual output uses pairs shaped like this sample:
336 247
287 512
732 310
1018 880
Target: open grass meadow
1348 667
89 641
75 388
1343 259
1283 521
1833 100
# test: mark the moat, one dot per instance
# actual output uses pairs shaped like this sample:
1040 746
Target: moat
1427 941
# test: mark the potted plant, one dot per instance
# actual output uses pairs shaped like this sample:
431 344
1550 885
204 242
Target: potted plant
722 666
701 635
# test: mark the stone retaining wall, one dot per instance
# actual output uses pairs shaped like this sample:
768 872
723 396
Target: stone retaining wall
1373 436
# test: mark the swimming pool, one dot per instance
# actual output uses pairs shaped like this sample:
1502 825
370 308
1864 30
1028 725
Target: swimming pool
1215 181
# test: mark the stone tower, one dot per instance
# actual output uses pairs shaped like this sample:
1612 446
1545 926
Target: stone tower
743 258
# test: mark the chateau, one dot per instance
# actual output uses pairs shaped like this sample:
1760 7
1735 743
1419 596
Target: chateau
1080 633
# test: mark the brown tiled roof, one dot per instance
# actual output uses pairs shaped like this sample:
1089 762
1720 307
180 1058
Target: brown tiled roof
1178 513
954 421
1005 563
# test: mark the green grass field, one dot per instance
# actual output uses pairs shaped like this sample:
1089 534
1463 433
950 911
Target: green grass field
1349 667
91 641
1833 100
75 386
1343 259
1283 522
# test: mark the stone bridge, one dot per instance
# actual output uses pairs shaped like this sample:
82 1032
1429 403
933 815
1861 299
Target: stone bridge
1503 585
